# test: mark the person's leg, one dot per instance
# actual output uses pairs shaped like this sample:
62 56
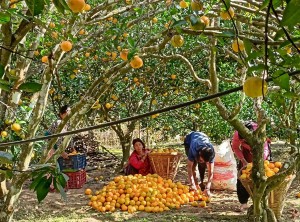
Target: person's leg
242 193
201 168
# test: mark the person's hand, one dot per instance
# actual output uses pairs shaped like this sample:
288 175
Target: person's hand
194 188
65 155
207 193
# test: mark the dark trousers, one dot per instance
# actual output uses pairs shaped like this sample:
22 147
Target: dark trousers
242 193
201 168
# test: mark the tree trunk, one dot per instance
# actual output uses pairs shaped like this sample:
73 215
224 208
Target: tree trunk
9 200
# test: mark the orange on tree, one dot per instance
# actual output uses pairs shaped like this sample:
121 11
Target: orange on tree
154 20
45 59
177 41
66 46
205 20
124 54
255 87
87 7
183 4
136 62
81 32
36 53
173 76
51 25
200 24
196 5
16 127
227 15
238 45
76 5
4 134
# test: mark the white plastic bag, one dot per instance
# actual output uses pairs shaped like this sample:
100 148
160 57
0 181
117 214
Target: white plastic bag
225 171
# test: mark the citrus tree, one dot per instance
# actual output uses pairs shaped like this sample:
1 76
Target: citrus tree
73 52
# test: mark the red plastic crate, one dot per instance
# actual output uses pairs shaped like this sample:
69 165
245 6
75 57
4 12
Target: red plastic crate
76 179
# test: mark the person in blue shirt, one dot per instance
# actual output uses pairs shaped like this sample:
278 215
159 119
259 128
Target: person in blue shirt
199 151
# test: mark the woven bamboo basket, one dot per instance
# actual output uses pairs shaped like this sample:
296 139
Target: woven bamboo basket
165 164
276 197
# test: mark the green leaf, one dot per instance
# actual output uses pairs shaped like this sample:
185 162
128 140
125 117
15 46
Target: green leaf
226 34
291 95
194 20
290 14
6 158
264 5
179 23
43 188
64 4
248 46
59 6
254 55
279 34
130 42
1 71
256 68
36 7
4 17
5 87
30 87
281 79
288 42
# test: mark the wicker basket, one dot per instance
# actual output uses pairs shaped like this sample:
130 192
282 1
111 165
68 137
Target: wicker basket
276 197
165 164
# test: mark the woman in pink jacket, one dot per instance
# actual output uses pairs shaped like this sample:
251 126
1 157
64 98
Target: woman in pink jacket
139 162
243 152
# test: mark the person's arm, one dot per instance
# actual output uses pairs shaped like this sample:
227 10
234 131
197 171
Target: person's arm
191 166
236 143
210 169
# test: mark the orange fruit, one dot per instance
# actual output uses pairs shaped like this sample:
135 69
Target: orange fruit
276 170
76 5
278 164
88 191
183 4
45 59
298 195
205 20
81 32
202 203
238 45
51 25
16 127
4 134
66 46
271 165
87 7
177 41
154 20
255 87
196 5
136 62
227 15
124 54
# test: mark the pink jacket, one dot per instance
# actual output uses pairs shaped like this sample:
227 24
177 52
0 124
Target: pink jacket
243 150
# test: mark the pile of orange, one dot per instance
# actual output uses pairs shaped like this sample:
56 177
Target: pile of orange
271 168
149 193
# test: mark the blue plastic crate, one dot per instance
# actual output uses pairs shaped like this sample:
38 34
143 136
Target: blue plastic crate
75 162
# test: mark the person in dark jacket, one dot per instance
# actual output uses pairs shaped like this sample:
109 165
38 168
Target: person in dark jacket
199 151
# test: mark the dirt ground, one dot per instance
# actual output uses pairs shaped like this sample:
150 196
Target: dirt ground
223 206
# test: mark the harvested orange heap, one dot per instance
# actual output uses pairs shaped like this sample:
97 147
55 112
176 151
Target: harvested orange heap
165 150
271 168
149 193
